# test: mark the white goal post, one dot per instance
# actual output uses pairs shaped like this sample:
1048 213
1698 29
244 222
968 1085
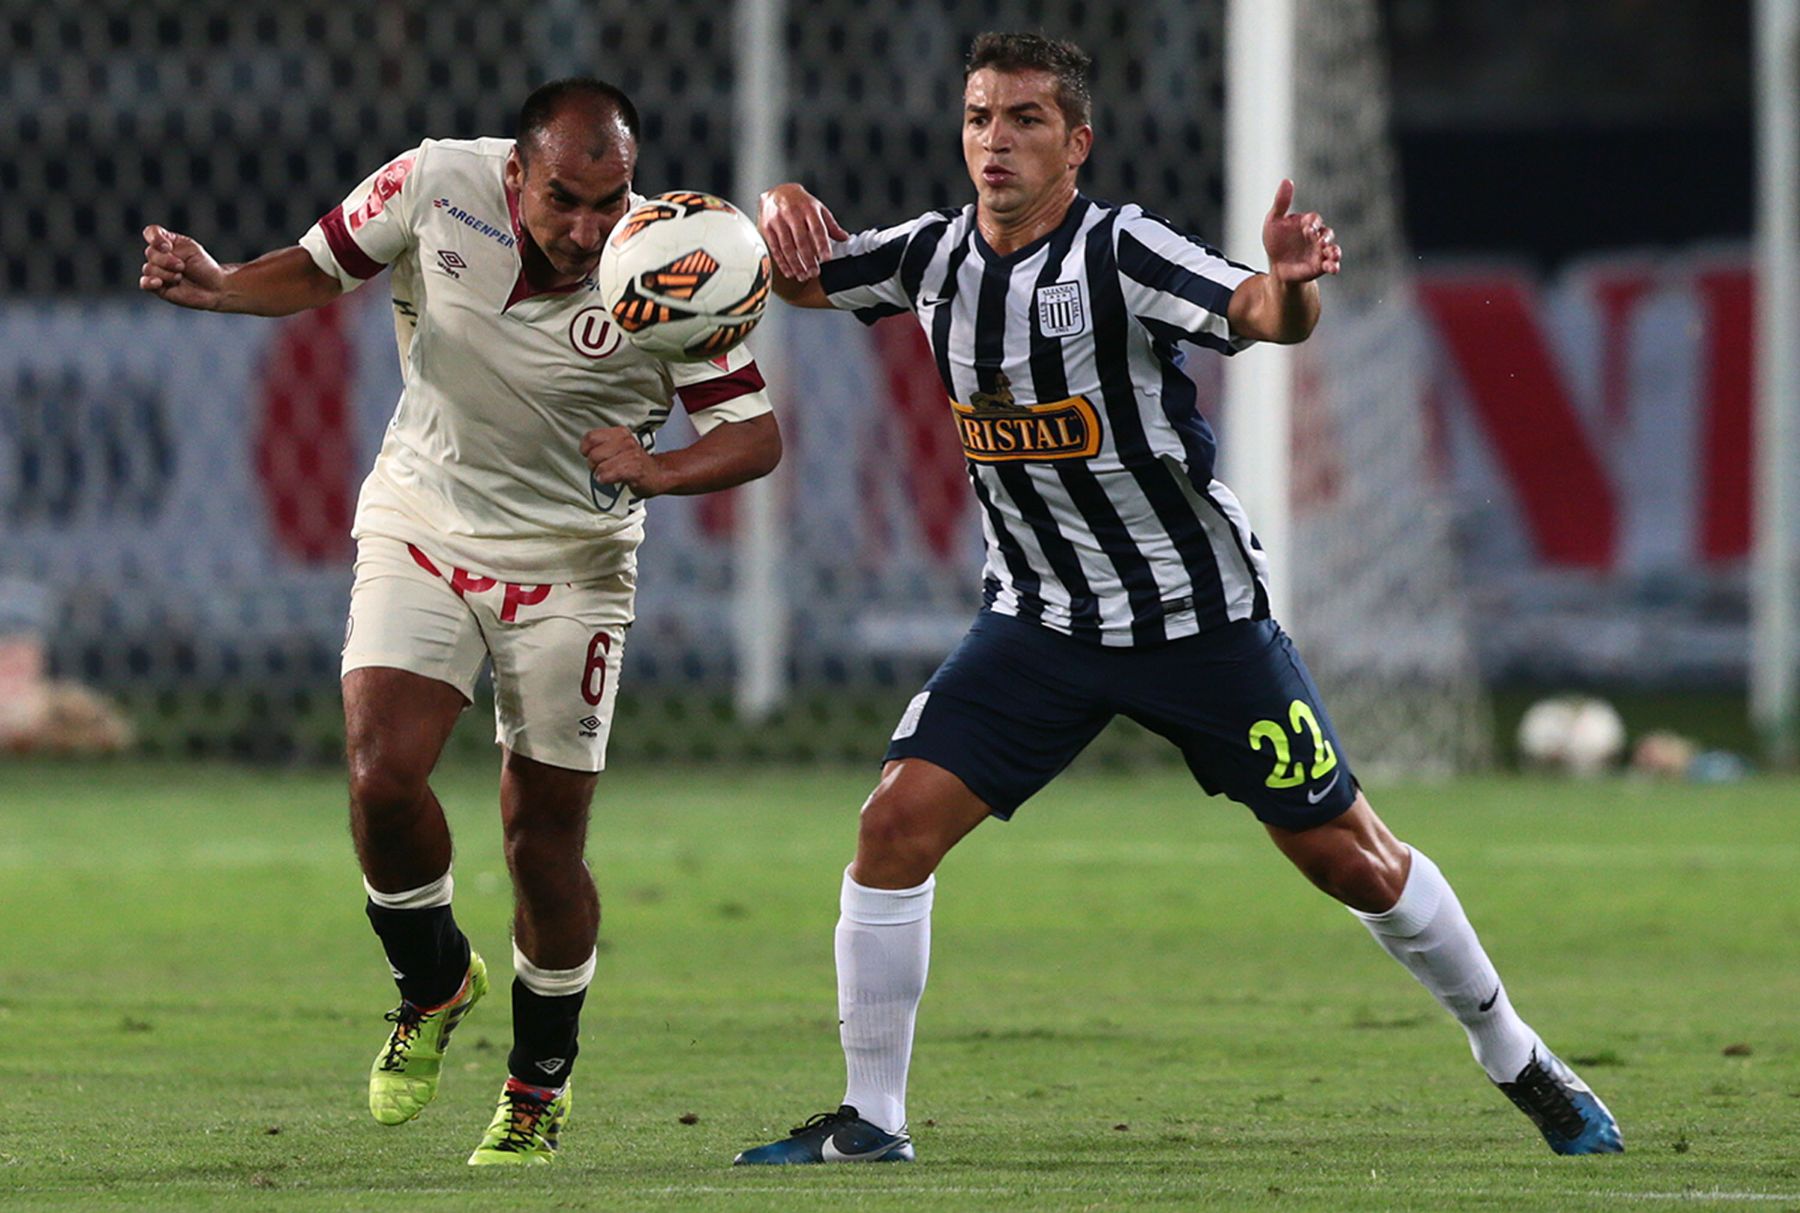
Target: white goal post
1259 389
1774 630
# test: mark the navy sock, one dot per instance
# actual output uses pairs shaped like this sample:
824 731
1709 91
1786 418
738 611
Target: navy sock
426 949
544 1036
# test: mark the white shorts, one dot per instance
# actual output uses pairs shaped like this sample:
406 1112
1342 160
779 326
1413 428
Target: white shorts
555 648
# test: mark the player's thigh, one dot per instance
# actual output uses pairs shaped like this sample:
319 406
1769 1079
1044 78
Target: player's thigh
556 675
412 652
1239 703
1011 706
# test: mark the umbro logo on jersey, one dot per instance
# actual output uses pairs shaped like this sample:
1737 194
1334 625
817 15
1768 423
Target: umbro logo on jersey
590 726
452 262
1061 310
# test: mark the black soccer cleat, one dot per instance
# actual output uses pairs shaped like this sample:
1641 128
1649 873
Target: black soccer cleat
840 1136
1571 1117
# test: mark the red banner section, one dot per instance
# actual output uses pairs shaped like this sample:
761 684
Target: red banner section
304 451
1491 327
1616 398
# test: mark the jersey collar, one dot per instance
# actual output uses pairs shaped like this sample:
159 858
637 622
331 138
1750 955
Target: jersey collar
1072 217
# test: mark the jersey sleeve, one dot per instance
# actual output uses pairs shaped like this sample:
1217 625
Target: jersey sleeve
367 231
865 273
726 388
1178 287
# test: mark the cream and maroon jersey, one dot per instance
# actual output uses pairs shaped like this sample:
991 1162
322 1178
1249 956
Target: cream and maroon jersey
482 462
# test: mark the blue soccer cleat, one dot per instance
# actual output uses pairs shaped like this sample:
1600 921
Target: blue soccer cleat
1571 1117
840 1136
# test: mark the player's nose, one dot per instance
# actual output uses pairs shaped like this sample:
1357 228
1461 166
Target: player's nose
588 232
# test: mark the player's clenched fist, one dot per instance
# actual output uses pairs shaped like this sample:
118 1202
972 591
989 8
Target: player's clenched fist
617 456
178 269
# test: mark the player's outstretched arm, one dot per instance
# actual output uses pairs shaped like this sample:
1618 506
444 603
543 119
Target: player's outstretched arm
727 455
178 269
1282 305
798 229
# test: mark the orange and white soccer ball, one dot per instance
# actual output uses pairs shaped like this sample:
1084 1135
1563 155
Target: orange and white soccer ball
685 275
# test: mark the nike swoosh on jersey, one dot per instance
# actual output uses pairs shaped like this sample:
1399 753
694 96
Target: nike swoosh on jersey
1316 797
1492 999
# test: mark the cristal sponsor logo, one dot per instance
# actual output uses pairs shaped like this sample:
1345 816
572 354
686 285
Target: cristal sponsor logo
593 333
480 226
590 726
996 429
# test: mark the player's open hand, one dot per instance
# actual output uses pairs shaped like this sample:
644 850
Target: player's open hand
1300 247
798 229
178 269
617 456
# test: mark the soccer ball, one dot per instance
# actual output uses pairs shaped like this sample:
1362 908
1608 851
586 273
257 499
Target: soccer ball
686 275
1576 734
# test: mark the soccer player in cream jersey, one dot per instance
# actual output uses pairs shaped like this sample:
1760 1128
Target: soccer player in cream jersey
501 521
1121 576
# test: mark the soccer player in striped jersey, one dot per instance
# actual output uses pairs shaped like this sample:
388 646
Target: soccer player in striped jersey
1121 578
501 522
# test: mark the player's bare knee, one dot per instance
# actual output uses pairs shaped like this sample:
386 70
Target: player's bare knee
544 849
382 792
898 839
1364 878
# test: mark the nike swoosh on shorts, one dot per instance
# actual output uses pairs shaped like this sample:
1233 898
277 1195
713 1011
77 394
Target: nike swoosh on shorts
1322 793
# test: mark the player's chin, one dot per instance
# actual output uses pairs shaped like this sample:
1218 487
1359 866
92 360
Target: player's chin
576 267
999 196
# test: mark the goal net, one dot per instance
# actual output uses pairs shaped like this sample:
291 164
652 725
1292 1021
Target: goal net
175 487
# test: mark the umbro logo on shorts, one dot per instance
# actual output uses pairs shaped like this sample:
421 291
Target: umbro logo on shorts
590 726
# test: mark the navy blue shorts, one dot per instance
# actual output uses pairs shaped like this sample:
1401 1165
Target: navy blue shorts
1016 701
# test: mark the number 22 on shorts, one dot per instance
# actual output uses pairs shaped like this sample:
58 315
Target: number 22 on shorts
1288 772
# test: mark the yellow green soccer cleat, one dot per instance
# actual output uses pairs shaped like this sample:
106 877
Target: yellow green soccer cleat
525 1127
404 1077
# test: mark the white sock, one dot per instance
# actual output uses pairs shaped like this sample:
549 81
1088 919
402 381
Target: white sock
425 897
883 950
553 983
1428 932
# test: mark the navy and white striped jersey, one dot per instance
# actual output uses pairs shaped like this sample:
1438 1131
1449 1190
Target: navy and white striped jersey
1093 466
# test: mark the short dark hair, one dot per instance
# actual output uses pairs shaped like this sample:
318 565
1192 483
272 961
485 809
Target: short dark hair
549 100
1036 53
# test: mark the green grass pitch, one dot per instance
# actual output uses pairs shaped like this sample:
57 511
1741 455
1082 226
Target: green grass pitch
1133 1002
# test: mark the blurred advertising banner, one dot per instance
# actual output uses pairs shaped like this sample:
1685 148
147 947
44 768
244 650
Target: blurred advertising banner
181 474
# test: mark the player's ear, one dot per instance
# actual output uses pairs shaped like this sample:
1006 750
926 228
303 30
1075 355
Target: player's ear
514 172
1081 142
